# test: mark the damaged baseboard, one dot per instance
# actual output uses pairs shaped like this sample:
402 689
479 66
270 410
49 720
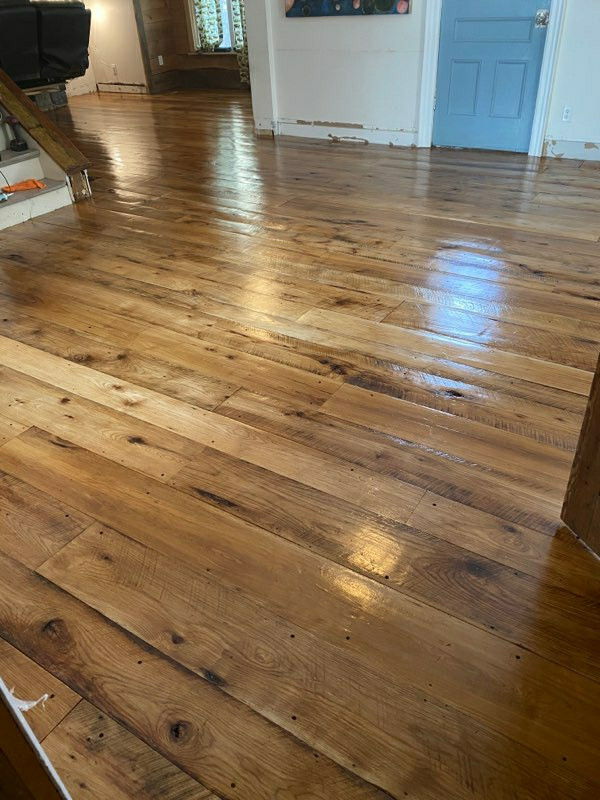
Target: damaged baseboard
347 133
566 148
123 88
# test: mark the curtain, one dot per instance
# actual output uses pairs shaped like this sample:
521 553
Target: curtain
209 19
240 43
210 24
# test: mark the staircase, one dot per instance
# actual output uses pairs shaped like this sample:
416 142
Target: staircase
51 158
22 206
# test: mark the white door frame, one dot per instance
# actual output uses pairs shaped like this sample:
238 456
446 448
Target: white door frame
433 18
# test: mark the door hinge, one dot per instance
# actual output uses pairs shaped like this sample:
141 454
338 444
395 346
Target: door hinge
542 18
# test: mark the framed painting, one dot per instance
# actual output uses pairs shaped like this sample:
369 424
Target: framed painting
344 8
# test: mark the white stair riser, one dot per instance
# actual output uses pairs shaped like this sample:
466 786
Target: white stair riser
34 207
21 171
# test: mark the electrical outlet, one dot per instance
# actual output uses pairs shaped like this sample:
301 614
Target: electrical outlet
114 69
567 114
161 61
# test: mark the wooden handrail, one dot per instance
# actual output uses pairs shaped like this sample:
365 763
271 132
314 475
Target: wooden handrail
41 128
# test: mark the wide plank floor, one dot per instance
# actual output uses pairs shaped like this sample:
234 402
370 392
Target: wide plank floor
285 429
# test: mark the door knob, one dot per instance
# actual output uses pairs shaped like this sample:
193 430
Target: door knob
542 18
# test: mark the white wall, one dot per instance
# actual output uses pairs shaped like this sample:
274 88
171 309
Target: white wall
577 85
113 40
360 77
343 76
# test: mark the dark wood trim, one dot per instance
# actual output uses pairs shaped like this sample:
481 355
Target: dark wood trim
141 27
581 510
49 137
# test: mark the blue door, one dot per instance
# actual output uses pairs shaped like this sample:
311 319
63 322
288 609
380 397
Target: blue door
488 73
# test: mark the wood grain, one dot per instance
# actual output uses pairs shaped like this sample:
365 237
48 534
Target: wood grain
28 681
270 663
35 524
346 607
97 757
310 410
186 718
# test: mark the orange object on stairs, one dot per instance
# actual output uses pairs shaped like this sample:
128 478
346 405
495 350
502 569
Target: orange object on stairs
23 186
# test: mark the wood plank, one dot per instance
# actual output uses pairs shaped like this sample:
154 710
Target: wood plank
9 428
97 757
269 663
123 363
34 524
294 461
108 433
527 408
548 346
510 364
28 681
557 560
523 499
344 608
442 575
212 737
465 439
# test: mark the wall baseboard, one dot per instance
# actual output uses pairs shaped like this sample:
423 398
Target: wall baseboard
566 148
346 133
122 88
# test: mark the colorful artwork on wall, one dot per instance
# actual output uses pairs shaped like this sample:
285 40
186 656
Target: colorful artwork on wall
344 8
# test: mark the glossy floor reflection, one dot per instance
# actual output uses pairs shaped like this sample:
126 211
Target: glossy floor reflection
285 430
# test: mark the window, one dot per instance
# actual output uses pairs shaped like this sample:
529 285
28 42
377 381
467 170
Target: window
214 18
220 26
226 43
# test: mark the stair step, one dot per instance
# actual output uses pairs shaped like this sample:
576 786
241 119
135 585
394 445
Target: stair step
10 157
17 167
23 206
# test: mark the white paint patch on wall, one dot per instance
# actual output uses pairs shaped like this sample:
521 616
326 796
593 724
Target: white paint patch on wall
577 85
338 76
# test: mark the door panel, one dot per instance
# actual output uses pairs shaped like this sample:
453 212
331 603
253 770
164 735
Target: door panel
488 73
510 79
464 86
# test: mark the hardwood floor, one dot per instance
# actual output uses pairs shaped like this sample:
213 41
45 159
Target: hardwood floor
285 431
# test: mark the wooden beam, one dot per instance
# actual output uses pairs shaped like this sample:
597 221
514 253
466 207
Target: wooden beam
581 510
38 125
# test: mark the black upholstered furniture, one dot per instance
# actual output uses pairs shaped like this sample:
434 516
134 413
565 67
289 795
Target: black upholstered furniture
43 42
